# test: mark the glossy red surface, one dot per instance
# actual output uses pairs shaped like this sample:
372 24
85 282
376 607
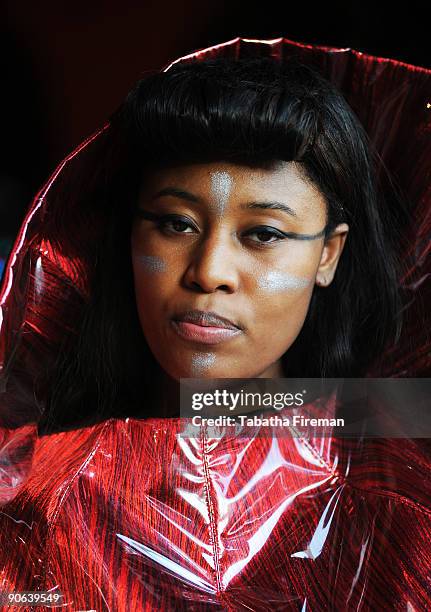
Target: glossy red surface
129 515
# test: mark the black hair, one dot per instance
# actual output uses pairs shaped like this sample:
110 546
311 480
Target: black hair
254 112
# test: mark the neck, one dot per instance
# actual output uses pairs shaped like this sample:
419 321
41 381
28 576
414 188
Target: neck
169 405
275 370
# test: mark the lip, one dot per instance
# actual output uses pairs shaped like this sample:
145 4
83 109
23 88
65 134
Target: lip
206 318
205 327
204 334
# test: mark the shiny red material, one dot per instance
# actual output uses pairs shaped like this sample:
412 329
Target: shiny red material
128 515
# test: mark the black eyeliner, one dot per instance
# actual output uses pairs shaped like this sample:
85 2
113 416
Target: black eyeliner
303 236
293 235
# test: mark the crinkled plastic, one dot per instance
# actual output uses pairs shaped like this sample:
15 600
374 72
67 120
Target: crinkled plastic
127 514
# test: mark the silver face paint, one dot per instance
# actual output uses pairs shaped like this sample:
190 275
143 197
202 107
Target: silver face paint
152 263
221 185
275 280
202 361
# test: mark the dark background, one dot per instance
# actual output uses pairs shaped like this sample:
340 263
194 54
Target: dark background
65 66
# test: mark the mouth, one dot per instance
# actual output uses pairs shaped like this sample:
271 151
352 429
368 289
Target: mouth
205 327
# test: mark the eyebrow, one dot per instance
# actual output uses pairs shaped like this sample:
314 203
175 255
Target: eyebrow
186 195
177 193
272 206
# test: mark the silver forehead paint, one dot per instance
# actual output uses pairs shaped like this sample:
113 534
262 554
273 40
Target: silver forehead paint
221 184
201 361
152 263
275 280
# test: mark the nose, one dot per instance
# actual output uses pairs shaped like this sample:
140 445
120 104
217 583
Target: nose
213 266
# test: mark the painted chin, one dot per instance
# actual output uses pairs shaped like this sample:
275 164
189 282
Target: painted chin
201 362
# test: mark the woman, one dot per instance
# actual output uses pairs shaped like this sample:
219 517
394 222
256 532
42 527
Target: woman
239 194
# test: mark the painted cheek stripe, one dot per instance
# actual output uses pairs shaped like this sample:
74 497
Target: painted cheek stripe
152 263
279 281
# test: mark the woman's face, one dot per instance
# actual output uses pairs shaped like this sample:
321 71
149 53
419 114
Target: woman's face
207 237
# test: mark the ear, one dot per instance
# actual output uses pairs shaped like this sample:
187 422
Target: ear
331 254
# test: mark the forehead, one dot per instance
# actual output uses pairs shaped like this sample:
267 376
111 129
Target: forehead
284 182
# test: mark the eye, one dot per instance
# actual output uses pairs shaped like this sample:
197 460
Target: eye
266 234
175 224
172 224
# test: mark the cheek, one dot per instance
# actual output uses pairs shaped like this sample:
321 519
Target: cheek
151 279
281 302
283 312
284 294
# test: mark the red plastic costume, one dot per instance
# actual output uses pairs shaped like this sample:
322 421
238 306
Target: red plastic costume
125 515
